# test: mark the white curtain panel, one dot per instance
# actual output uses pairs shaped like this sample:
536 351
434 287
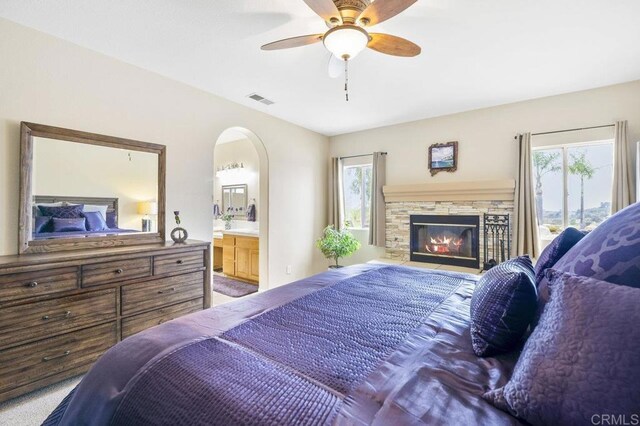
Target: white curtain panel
526 223
335 194
622 194
378 219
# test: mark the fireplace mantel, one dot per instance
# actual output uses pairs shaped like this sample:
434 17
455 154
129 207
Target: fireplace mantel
492 190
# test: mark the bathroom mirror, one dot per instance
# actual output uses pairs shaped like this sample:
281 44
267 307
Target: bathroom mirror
234 200
82 190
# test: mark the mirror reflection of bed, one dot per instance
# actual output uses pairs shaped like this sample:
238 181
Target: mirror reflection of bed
84 190
87 224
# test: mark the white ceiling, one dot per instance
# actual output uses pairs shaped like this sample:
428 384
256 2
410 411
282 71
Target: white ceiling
475 53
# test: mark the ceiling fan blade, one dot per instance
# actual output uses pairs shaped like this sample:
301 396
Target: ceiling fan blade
336 67
288 43
381 10
392 45
326 9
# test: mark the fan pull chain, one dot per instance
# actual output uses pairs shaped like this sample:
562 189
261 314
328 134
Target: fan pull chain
346 79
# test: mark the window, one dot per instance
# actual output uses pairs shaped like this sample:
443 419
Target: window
572 185
356 189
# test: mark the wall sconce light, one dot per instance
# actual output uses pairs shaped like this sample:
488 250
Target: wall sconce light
231 170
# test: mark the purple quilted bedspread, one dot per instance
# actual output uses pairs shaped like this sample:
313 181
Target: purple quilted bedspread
320 351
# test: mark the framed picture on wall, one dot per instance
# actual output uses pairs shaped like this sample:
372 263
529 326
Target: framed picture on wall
443 157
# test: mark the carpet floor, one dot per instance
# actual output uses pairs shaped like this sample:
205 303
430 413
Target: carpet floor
231 287
33 408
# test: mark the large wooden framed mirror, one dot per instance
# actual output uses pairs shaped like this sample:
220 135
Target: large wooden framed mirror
82 190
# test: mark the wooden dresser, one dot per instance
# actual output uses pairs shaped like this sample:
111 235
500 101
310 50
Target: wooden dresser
60 311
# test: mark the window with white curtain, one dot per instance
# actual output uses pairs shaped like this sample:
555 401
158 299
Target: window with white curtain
572 185
356 190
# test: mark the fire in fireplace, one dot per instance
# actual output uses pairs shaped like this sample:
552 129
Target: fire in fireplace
445 239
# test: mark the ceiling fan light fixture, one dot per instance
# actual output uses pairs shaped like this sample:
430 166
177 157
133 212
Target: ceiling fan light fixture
346 41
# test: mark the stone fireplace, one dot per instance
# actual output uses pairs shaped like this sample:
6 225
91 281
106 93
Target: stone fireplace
445 239
442 201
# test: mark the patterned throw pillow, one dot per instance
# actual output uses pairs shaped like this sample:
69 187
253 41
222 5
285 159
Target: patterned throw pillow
611 252
554 251
68 225
582 358
502 307
95 221
62 212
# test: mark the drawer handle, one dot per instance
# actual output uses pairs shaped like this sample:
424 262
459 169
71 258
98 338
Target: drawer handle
119 271
180 262
62 355
66 314
33 284
172 289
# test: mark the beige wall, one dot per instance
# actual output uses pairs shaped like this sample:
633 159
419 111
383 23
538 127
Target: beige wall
487 149
50 81
72 169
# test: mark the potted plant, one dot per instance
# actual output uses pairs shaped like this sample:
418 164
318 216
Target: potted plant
227 218
335 244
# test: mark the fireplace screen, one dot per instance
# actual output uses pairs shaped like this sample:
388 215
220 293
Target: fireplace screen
450 240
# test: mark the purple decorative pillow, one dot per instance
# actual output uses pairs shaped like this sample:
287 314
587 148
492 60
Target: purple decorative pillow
611 252
554 251
62 212
581 360
42 224
502 307
111 219
95 221
68 225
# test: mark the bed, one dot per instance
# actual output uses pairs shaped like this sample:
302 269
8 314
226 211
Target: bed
111 216
366 344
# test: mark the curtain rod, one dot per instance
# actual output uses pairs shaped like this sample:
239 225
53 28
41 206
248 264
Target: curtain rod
570 130
361 155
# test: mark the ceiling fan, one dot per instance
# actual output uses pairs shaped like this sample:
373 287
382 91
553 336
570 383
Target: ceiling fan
347 36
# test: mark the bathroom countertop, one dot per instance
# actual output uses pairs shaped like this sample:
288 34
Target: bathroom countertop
245 232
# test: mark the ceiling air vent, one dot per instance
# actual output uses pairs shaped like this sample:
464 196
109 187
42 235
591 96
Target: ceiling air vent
260 99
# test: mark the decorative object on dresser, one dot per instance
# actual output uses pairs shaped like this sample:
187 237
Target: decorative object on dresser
497 240
179 234
94 166
443 157
60 311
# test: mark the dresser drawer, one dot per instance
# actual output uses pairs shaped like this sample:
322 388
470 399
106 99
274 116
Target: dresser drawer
26 364
119 270
137 323
161 292
39 320
179 262
37 283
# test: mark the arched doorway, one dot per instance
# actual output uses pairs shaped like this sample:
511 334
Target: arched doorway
230 150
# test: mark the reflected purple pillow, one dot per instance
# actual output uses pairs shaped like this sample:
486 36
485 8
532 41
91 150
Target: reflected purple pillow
63 212
111 219
95 221
42 224
68 225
